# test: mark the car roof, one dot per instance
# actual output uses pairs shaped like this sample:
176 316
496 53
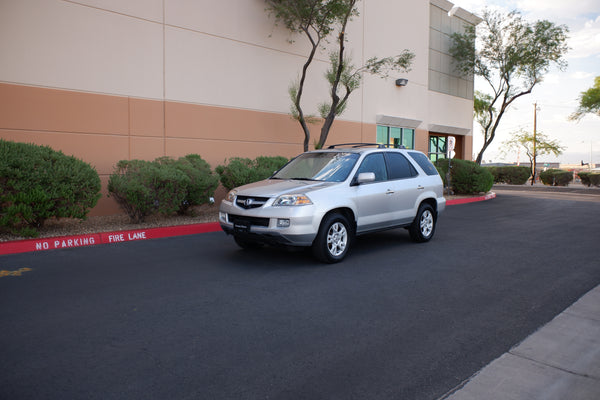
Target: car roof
359 148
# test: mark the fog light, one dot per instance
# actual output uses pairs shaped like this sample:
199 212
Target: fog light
223 216
283 223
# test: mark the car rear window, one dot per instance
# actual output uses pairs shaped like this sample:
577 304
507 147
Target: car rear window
399 166
424 163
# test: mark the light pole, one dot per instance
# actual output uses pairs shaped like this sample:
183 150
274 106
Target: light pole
534 166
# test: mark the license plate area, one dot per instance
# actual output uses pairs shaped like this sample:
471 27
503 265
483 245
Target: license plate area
241 228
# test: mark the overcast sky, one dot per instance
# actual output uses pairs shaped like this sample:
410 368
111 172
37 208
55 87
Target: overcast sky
557 96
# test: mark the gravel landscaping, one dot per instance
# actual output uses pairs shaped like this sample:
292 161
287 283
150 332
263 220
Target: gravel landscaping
96 224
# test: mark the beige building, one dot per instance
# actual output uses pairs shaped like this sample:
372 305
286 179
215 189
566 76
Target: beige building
107 80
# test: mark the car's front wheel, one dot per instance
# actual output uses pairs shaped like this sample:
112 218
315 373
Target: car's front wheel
423 226
333 240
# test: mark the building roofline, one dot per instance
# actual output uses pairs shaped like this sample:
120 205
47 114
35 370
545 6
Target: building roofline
459 12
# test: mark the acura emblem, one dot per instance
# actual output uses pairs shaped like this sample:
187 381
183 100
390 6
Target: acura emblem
248 202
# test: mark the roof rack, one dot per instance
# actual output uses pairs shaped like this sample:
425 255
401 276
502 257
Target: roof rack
355 145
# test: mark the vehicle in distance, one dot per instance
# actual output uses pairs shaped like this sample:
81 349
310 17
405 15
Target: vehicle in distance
325 198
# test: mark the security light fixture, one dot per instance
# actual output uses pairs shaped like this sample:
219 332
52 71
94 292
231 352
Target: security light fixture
401 82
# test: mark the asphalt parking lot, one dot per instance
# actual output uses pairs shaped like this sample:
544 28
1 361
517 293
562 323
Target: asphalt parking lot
194 317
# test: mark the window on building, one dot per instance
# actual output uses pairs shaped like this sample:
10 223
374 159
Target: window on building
443 77
394 136
437 147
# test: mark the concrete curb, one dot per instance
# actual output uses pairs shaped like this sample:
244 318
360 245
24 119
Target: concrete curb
92 239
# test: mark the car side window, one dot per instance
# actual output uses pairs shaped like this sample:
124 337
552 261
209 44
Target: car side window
424 163
399 167
374 163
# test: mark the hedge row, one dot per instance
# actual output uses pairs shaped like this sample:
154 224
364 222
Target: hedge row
466 177
165 185
556 177
162 186
38 183
512 175
590 178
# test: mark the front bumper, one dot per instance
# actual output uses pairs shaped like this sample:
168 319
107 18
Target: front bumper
270 224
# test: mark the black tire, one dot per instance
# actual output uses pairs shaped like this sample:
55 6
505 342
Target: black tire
423 227
333 240
247 244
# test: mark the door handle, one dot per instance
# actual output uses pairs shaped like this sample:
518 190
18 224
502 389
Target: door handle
420 187
389 191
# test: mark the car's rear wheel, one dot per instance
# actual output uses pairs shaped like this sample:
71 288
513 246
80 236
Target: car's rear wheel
423 226
333 240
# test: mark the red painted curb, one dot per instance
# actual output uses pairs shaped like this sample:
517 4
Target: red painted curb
64 242
470 199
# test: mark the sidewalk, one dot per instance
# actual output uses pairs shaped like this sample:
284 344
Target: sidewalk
559 361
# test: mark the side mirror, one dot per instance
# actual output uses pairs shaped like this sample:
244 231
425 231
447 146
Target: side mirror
365 177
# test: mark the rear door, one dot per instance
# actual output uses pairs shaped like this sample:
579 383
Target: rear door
404 183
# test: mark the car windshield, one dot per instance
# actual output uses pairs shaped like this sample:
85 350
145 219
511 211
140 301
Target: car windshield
325 166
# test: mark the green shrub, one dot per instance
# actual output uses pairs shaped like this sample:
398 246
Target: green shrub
466 177
585 178
241 171
589 178
267 166
142 188
202 183
512 175
162 186
38 183
236 173
556 177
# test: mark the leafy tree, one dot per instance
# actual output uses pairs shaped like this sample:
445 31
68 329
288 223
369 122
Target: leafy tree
512 56
589 102
543 146
481 105
316 20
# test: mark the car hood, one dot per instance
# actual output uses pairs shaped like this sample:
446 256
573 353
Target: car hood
277 187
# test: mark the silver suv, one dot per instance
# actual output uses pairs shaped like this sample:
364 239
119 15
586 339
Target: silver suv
324 198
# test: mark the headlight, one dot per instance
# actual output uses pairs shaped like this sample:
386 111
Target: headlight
231 195
292 200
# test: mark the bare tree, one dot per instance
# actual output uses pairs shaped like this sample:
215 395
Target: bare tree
316 20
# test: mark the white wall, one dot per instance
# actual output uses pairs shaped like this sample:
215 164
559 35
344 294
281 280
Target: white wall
60 44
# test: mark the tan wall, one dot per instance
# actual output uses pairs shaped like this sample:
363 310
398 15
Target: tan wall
102 129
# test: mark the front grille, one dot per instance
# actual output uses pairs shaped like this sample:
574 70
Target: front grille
248 202
252 221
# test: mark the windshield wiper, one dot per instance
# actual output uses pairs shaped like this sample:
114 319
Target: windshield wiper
303 179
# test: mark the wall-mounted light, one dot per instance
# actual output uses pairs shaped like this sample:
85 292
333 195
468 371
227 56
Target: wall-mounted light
401 82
